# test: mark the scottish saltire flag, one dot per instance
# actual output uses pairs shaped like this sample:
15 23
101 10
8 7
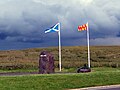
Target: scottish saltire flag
55 28
83 27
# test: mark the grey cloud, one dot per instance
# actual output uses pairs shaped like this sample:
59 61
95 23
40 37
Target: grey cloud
106 41
25 20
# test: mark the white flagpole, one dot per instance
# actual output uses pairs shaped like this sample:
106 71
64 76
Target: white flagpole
59 49
88 45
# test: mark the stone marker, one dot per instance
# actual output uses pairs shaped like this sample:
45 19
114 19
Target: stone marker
46 63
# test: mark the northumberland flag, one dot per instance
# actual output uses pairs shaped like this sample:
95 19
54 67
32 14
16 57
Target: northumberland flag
83 27
55 28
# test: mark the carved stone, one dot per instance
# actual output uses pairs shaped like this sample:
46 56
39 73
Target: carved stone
46 63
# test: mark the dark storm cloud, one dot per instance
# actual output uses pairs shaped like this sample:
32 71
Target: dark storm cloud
118 35
31 40
24 21
4 34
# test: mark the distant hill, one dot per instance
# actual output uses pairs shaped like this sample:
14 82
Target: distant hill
76 56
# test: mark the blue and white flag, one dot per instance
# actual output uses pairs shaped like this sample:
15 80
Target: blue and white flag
55 28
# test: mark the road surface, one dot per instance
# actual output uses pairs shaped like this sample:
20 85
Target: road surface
111 87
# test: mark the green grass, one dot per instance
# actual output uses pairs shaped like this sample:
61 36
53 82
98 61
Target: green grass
98 77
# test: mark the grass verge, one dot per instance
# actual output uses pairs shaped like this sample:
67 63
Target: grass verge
99 76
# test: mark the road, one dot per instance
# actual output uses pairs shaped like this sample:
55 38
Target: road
17 73
117 88
111 87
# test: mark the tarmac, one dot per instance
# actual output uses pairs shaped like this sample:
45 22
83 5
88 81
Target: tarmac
17 73
109 87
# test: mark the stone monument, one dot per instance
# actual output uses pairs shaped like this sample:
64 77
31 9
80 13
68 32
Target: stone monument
46 63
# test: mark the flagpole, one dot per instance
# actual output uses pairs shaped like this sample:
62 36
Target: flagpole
88 42
59 49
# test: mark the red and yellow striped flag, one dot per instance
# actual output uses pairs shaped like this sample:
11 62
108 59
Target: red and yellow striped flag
83 27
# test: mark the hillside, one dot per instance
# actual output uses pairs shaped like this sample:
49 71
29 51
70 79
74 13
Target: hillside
107 56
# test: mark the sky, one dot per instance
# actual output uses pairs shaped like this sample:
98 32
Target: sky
23 22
